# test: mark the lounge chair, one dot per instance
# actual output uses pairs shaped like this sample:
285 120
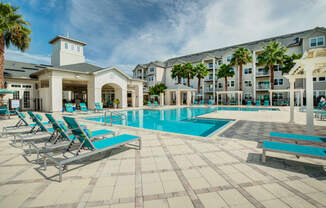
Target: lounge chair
195 102
22 123
298 139
6 112
149 104
210 102
82 134
98 107
156 104
293 149
258 102
249 102
83 108
201 102
266 103
69 108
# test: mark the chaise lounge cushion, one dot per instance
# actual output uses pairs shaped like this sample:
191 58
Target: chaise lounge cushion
113 141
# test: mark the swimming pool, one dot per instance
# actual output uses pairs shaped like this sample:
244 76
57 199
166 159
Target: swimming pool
246 109
180 120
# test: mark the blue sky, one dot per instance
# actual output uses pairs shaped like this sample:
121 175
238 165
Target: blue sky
124 33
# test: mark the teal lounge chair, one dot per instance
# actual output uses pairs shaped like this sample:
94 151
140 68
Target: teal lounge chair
249 102
258 102
149 104
195 102
98 107
83 135
298 139
156 104
6 112
210 102
83 107
201 102
293 149
69 108
266 103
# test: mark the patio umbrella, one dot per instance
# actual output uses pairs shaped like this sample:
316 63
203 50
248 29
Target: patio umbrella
5 91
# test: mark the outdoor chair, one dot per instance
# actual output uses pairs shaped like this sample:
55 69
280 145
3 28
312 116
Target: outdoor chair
156 104
69 108
298 139
266 103
258 102
249 102
293 149
98 107
83 108
210 102
195 102
149 104
86 143
6 112
201 102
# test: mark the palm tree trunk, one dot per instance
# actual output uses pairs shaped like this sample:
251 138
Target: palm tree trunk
240 84
179 80
199 85
188 79
226 89
2 60
271 69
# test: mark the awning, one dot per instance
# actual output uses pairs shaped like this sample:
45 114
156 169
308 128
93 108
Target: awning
5 91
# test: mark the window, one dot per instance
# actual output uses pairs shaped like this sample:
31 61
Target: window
78 48
231 83
314 79
152 69
151 78
210 65
228 58
233 69
72 47
247 96
220 85
66 45
16 86
26 99
248 83
278 81
220 62
27 86
248 70
322 79
16 95
317 41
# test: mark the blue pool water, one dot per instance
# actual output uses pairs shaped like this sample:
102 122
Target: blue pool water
180 120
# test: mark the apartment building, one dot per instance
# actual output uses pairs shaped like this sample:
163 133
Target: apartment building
256 82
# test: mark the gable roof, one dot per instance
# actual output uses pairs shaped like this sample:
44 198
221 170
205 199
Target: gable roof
66 38
81 67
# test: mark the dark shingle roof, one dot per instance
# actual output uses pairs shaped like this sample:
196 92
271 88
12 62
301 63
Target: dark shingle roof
15 69
81 67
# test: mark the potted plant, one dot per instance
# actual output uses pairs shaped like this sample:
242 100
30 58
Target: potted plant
116 103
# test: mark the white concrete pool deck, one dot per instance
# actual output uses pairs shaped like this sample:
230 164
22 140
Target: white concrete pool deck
171 170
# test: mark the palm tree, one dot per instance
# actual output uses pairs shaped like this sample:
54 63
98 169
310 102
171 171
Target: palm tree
13 31
225 71
200 72
240 57
273 54
177 72
289 62
188 72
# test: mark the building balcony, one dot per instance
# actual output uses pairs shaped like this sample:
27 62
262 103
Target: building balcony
263 87
209 89
262 74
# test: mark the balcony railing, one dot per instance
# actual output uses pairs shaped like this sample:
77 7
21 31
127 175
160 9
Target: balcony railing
262 87
262 74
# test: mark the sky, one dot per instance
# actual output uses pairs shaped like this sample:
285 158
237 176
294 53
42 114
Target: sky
124 33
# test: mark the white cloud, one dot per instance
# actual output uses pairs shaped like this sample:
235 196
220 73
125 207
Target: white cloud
27 57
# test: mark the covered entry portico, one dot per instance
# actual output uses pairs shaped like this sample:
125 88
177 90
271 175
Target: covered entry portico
59 85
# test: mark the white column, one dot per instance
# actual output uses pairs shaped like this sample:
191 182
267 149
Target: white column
142 73
301 97
216 98
188 97
309 99
214 81
254 73
91 94
167 97
291 80
270 98
55 85
139 95
123 100
161 99
133 99
177 97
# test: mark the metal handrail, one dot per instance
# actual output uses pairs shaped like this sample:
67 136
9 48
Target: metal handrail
120 118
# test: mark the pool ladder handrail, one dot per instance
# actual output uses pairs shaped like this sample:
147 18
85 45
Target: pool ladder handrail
120 118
